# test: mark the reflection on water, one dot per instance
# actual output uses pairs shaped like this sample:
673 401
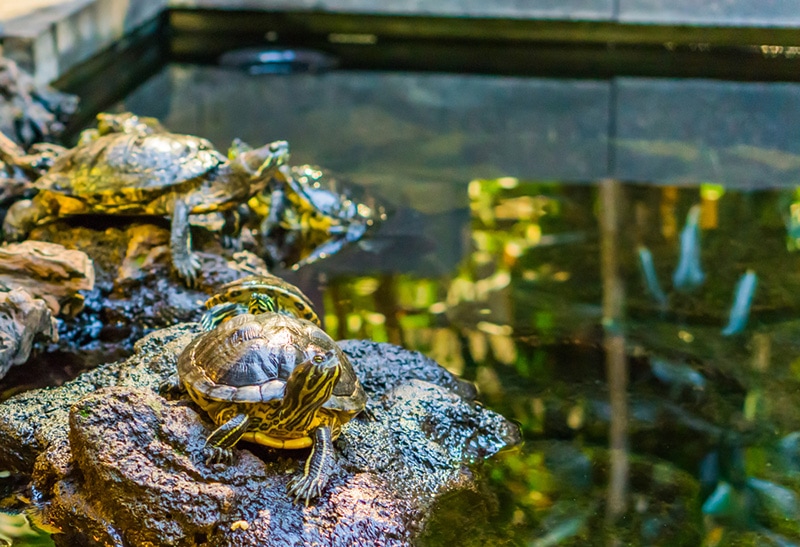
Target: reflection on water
712 419
501 280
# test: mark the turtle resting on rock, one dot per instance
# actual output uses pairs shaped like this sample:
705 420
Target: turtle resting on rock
257 294
147 173
307 208
274 380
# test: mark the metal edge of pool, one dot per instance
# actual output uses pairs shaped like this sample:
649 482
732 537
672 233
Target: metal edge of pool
531 48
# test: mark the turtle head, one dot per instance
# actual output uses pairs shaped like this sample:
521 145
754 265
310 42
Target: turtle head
261 303
261 163
309 386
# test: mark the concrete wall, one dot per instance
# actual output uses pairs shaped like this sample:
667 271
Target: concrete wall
55 35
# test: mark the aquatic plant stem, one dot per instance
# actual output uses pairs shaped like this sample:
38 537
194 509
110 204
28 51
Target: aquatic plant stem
614 342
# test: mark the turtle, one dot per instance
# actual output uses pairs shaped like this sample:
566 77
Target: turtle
159 173
307 204
274 380
123 122
257 294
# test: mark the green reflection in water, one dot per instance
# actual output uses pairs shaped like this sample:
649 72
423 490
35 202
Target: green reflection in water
16 529
715 458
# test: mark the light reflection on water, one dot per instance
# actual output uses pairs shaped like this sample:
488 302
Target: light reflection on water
499 279
711 418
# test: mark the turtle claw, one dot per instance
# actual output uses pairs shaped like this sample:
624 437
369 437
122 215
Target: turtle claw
217 455
188 267
306 488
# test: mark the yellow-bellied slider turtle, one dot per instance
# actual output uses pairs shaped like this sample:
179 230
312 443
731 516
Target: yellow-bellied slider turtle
310 205
257 294
147 174
275 380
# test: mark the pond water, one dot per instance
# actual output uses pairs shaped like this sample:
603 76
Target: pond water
660 312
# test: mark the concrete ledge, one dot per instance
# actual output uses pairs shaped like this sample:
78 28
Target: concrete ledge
513 9
54 36
48 37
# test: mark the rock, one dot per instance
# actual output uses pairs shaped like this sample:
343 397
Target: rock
31 113
23 320
47 271
381 364
146 246
114 463
136 290
36 420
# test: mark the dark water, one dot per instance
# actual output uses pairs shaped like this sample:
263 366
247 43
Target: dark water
501 262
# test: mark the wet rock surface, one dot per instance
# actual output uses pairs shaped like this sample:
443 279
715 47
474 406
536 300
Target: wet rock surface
136 290
115 463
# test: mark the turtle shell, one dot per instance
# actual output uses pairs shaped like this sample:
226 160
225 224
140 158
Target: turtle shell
135 167
288 299
249 359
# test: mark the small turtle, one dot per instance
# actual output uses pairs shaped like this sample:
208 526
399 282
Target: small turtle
147 174
257 294
124 122
309 205
274 380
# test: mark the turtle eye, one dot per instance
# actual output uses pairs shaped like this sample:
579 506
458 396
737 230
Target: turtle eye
318 359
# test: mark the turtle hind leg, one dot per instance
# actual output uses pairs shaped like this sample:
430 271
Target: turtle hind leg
171 387
186 262
219 444
317 470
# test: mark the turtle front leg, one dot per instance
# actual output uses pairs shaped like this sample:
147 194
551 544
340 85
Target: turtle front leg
221 441
277 209
171 387
186 263
231 230
317 470
335 243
